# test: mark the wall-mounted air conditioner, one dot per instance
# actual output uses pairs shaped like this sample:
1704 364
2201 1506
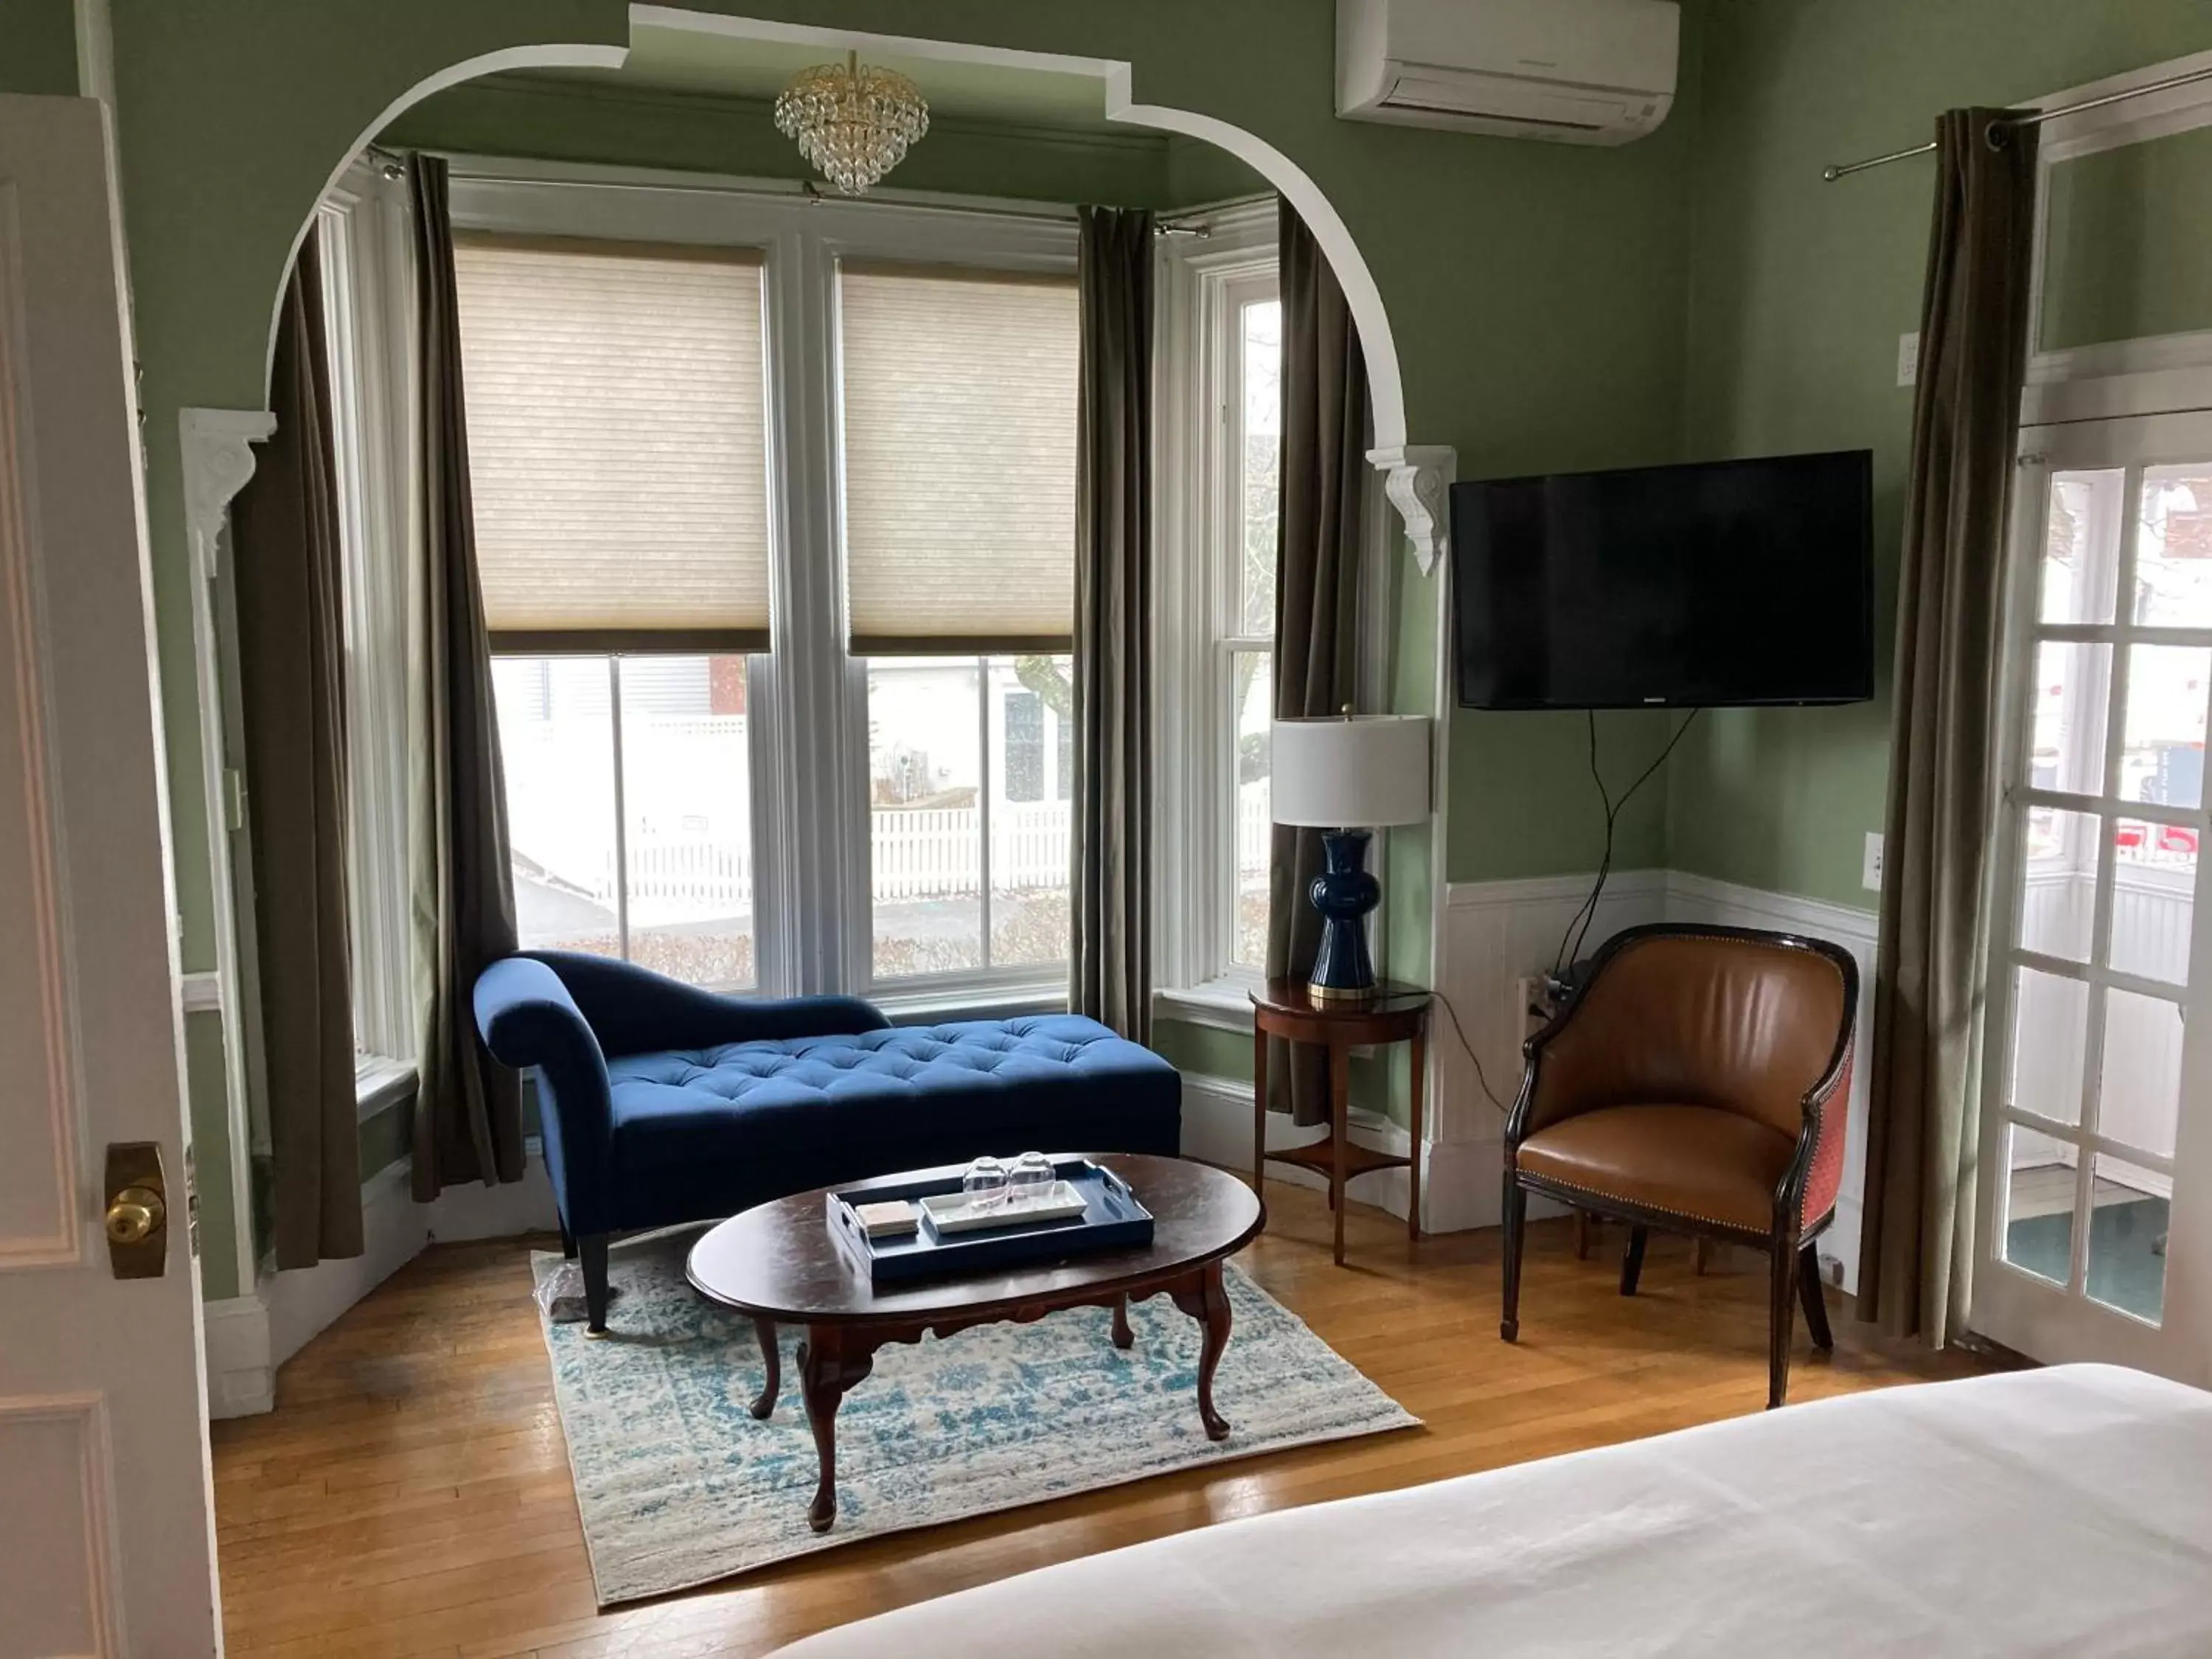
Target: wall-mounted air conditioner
1578 71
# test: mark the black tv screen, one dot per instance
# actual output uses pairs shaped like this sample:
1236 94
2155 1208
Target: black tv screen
1721 583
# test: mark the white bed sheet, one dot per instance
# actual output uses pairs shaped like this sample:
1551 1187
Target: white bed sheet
2066 1511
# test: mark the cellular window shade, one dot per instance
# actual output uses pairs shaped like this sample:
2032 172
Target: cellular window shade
616 444
959 418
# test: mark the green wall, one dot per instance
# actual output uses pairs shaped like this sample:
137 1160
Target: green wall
218 1214
1203 1050
1798 292
2131 243
37 47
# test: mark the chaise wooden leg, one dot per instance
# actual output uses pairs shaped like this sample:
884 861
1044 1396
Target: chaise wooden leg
1517 1222
1700 1255
1585 1231
1813 1295
1632 1261
592 1248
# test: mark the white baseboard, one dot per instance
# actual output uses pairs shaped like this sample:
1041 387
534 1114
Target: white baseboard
248 1337
477 1211
1217 1128
241 1372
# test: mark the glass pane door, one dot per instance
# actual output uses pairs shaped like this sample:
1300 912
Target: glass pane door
2094 1110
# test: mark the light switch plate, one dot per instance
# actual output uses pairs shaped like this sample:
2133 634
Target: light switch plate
1870 873
1908 358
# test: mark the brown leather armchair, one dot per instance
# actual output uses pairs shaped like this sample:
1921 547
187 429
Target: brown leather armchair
1697 1083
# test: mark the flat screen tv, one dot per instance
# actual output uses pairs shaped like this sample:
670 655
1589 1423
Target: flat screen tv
1717 584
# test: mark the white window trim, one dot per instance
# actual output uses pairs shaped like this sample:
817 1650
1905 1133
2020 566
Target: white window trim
368 294
1193 853
809 698
2168 373
1200 283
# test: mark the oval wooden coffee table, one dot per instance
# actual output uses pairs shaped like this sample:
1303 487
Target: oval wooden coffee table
778 1264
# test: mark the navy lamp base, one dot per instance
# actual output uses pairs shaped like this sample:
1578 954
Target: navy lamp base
1344 893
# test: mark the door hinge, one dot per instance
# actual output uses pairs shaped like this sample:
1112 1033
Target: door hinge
234 799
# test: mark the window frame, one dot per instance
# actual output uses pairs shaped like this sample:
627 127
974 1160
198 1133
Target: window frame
1047 981
617 762
1197 358
1197 395
364 222
807 697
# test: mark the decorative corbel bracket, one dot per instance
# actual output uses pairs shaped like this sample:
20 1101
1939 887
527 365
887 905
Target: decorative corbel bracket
218 453
1417 481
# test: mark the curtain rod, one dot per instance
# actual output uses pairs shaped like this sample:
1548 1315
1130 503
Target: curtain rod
2188 77
806 190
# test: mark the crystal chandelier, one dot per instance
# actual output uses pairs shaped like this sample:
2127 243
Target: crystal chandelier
852 122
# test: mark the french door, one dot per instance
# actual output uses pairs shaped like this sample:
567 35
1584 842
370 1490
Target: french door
2094 1238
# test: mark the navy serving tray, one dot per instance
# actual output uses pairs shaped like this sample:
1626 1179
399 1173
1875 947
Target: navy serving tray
1113 1221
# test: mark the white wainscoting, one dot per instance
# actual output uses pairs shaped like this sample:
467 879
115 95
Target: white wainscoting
1217 1128
1495 934
248 1337
1498 933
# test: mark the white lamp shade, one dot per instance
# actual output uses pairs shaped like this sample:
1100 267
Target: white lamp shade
1356 773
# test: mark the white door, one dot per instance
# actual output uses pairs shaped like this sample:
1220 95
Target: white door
2095 1229
106 1542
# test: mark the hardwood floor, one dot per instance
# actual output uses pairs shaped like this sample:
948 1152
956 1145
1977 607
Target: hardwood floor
411 1494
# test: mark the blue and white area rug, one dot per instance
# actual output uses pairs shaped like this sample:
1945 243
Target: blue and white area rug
680 1487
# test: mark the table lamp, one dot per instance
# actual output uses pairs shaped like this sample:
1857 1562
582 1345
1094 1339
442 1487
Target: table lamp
1347 776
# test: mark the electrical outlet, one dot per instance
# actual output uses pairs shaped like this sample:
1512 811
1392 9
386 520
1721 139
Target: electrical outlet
1870 874
1908 358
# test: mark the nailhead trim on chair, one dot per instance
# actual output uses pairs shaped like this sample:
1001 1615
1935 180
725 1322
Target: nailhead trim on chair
1655 1209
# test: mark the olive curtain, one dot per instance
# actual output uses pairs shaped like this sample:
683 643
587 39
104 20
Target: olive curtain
468 1111
1111 978
289 581
1326 421
1917 1250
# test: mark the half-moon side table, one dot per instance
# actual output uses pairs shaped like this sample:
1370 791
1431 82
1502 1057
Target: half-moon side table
1397 1012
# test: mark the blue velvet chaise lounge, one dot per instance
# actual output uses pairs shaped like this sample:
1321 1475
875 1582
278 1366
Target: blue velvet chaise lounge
661 1103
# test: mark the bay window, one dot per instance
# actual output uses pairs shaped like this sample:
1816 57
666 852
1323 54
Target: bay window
368 322
775 510
1220 350
958 398
617 450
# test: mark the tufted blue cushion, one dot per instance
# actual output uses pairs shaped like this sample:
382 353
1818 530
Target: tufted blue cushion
892 1098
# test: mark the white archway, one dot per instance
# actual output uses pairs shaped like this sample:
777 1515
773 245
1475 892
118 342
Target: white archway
574 56
1417 476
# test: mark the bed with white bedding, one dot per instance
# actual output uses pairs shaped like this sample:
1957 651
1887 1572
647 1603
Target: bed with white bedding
2066 1511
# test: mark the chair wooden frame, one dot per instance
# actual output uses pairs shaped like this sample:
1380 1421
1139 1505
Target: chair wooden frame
1795 1273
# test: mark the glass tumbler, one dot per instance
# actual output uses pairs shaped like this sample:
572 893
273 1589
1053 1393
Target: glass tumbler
984 1185
1031 1178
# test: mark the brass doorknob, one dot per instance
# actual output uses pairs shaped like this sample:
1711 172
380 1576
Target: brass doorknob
135 1215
